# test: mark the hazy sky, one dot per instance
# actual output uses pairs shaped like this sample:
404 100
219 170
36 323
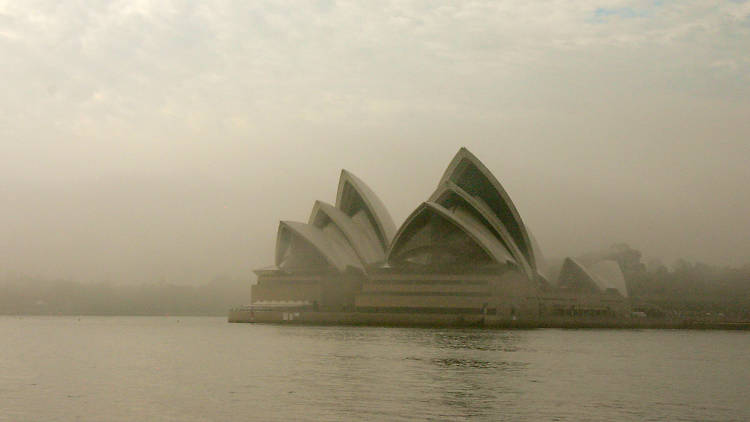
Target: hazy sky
146 140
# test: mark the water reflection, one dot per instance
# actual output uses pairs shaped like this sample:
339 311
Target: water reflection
477 364
475 372
503 341
445 373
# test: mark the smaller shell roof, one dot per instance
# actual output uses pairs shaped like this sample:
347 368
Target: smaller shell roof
576 276
367 249
610 275
384 225
339 256
464 221
598 277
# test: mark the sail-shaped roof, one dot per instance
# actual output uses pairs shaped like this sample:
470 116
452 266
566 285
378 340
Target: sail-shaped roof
575 276
542 267
610 275
600 276
354 197
296 238
365 244
466 171
437 236
450 194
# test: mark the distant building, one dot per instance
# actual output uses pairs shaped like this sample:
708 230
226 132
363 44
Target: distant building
465 251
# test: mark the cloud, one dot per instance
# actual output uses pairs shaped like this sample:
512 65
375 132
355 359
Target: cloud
623 12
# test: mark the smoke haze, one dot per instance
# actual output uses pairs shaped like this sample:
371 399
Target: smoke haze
164 140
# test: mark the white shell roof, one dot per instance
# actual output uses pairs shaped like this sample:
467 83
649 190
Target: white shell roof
514 224
542 267
495 225
384 226
466 222
610 275
600 276
367 247
573 269
358 231
332 247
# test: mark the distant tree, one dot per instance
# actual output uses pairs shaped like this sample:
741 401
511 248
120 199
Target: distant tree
628 258
631 266
25 295
656 266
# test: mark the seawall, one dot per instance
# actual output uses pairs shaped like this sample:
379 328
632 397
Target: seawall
243 315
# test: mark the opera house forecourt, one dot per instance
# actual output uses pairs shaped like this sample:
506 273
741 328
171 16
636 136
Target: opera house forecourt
463 257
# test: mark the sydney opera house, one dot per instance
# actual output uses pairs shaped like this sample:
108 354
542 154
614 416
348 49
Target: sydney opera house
464 255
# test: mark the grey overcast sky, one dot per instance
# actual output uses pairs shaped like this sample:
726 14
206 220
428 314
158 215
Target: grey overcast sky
163 140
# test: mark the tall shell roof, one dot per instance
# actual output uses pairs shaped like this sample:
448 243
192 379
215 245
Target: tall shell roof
327 243
462 219
450 194
365 245
610 275
354 195
466 171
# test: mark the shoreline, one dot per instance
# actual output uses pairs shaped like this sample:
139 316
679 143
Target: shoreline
469 321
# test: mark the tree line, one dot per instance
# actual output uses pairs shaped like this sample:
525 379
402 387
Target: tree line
687 289
33 296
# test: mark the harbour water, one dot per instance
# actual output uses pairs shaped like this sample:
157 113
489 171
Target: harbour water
204 369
